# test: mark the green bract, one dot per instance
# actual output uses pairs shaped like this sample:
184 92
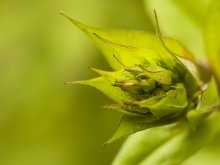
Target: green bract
155 81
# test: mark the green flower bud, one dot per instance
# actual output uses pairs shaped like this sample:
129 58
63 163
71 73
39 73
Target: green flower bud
150 84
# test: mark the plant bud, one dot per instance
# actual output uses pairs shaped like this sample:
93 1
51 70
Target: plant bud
150 84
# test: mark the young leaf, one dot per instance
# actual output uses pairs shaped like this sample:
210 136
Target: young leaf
130 56
158 74
131 124
184 66
150 101
167 146
138 146
120 108
111 76
174 101
105 87
185 144
125 38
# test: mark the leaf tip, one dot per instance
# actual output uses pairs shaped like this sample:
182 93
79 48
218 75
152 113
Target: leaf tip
100 72
74 82
109 141
61 13
76 23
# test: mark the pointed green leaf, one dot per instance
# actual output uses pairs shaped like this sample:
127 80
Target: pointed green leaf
130 56
131 124
105 87
113 76
183 66
160 75
106 38
119 108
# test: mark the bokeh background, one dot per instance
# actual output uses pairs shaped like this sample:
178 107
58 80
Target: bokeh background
43 121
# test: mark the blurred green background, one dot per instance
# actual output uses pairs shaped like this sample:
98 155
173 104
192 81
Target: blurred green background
43 121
